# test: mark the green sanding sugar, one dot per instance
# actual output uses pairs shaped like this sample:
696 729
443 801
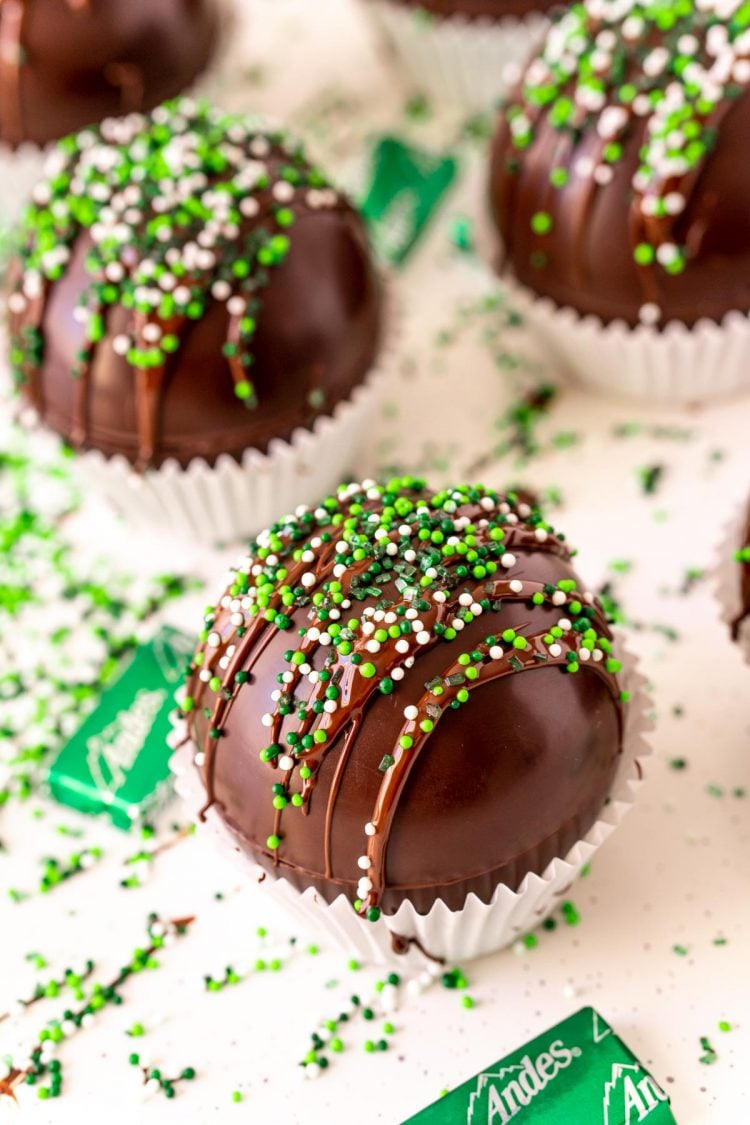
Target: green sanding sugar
66 616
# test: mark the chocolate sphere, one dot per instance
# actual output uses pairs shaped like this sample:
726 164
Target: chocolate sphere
65 64
189 285
615 180
363 710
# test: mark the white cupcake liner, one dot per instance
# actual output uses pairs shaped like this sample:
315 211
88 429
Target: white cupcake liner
234 500
675 365
467 64
453 935
727 586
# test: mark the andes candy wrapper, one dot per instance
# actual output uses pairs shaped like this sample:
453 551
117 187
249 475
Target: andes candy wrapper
117 761
577 1073
406 185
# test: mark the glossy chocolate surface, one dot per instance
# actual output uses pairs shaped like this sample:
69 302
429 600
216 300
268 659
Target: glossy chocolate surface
620 235
504 782
65 64
314 318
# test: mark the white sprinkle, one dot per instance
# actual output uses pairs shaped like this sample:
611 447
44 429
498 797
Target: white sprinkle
363 862
283 191
649 313
496 653
516 586
508 560
411 713
370 829
285 762
221 290
16 303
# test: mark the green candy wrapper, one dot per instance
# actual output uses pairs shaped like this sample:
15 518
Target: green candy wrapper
577 1073
117 761
406 186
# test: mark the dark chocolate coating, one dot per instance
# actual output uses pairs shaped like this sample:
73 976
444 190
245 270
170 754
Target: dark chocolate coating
588 259
480 9
319 330
313 311
83 60
504 784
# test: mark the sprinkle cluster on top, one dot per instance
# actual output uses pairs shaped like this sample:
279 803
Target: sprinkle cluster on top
422 566
183 207
676 65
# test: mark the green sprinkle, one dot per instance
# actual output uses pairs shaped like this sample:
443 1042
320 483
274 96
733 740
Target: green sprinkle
541 222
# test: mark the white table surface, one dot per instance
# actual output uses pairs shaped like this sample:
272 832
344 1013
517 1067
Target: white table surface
676 873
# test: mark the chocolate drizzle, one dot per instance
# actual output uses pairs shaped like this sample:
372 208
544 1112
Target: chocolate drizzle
64 66
172 215
422 597
127 77
12 14
610 160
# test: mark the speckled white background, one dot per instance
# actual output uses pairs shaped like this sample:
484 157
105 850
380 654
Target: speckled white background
675 874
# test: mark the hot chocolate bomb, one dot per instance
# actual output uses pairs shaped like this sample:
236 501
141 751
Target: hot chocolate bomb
69 63
402 695
615 183
189 285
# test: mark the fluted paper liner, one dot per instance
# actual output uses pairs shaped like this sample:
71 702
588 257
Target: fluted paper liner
455 935
674 365
455 60
234 500
728 587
